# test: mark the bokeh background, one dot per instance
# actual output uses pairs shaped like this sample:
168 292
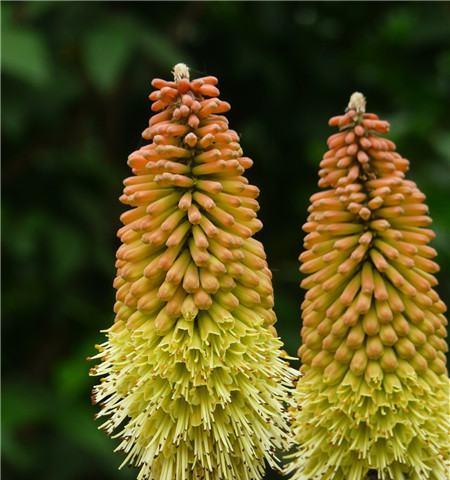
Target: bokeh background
75 80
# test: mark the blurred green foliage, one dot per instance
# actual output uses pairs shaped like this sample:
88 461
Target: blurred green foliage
75 80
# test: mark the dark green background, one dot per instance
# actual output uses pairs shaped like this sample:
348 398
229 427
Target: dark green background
75 80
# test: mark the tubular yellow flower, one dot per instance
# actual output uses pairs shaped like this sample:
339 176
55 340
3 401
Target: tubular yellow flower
373 401
194 383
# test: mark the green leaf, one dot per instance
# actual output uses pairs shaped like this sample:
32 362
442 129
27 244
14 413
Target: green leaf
23 404
160 50
71 374
38 9
106 52
441 141
25 55
399 25
67 250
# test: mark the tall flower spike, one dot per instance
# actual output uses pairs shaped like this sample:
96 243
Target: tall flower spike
373 398
194 382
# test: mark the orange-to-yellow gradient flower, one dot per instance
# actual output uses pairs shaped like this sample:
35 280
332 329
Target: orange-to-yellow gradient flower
373 401
193 381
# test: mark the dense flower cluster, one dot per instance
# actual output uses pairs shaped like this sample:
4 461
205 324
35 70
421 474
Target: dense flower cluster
373 399
194 382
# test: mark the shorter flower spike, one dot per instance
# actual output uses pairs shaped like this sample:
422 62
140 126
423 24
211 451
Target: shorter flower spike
373 401
194 382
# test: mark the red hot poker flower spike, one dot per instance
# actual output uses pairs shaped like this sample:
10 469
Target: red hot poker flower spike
193 382
374 396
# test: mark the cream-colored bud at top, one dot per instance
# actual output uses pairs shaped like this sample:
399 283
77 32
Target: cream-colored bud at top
180 70
357 102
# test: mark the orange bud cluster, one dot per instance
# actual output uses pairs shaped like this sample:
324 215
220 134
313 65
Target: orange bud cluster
373 326
187 238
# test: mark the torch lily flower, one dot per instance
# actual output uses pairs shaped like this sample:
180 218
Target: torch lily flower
193 381
373 401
